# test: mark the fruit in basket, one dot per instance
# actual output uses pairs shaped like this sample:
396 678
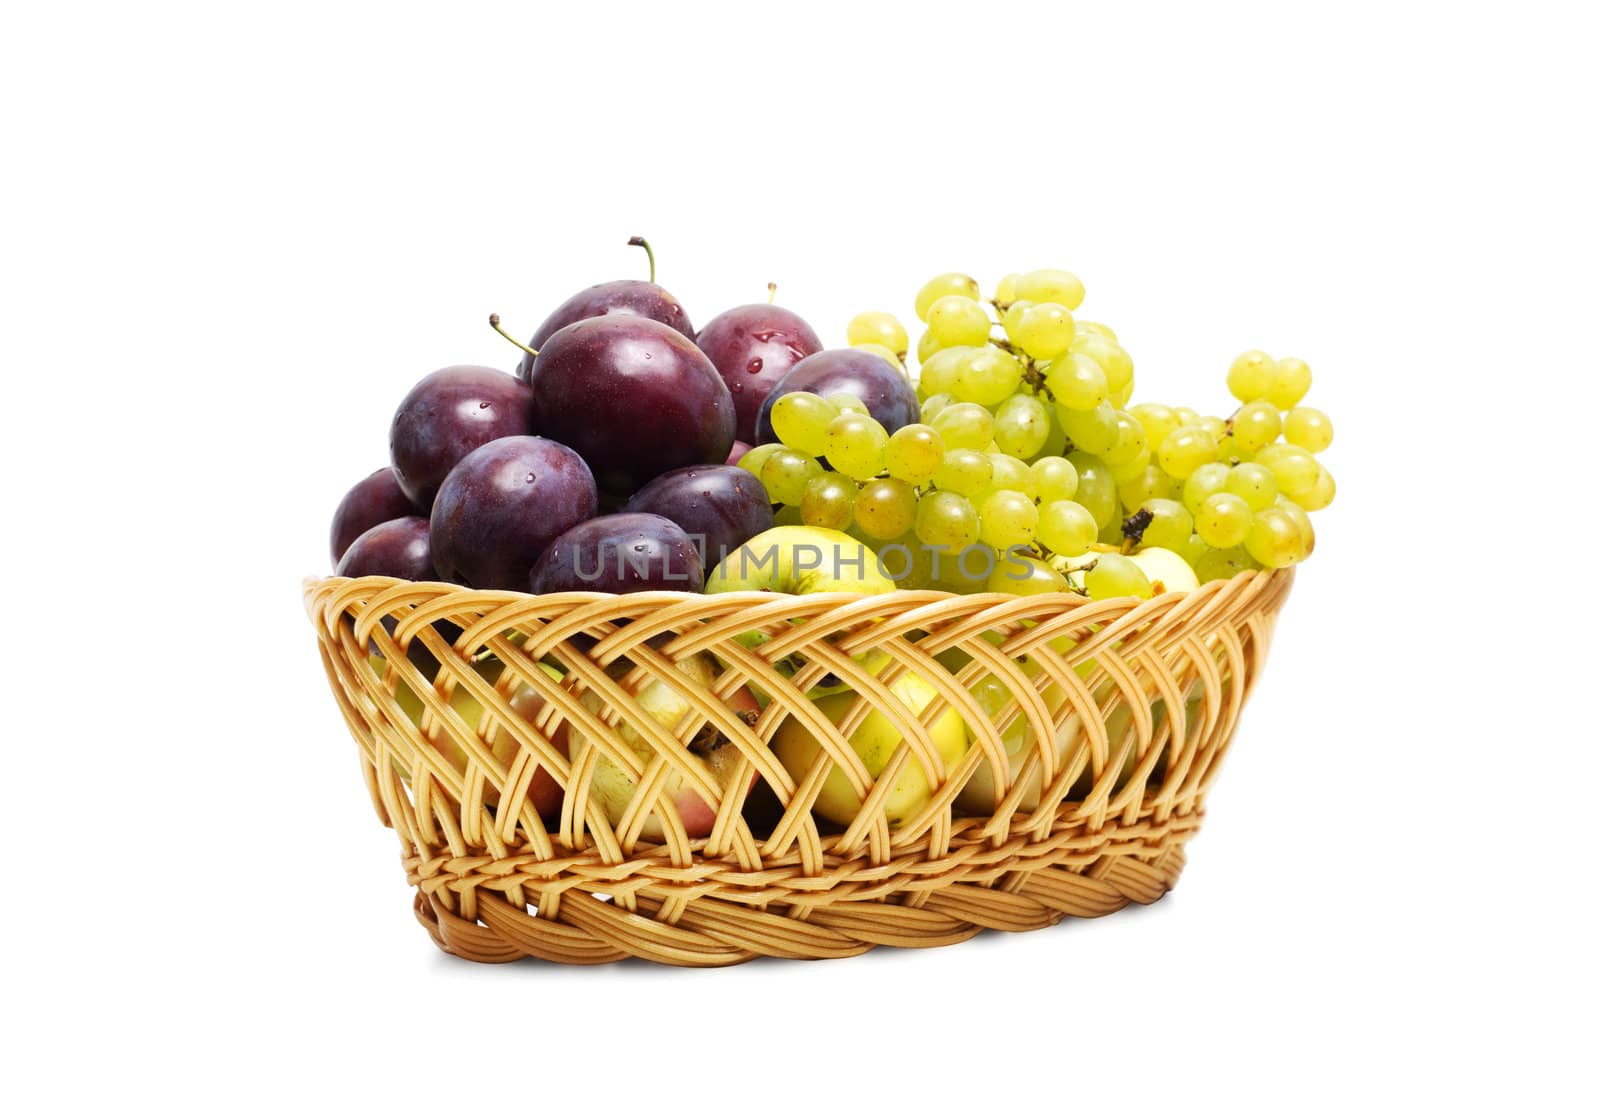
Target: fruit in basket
623 298
502 505
376 499
1165 570
544 792
613 786
720 506
800 560
398 548
875 742
447 415
752 348
620 553
634 398
879 385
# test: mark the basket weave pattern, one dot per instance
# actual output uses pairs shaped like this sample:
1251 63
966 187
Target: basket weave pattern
1143 699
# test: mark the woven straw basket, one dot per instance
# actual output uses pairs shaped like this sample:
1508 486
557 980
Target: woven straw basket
1142 699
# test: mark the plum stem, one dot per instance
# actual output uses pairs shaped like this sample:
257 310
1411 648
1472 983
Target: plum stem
494 323
641 242
772 293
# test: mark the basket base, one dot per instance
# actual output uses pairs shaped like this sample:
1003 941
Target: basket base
717 933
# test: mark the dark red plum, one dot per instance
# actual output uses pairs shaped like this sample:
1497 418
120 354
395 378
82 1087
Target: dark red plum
447 415
620 553
503 505
882 387
634 398
398 547
753 347
716 504
376 499
624 297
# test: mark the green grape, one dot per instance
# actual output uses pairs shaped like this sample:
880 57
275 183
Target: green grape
885 509
933 405
845 403
1010 474
1021 426
1110 355
856 444
957 319
1223 564
1185 449
880 351
1020 574
1093 431
986 375
1223 520
1097 491
1249 374
1186 416
829 501
1159 421
964 425
1170 524
1274 539
753 460
1151 483
1293 468
914 454
1076 382
1043 330
1321 493
964 471
800 419
1006 291
877 327
942 285
945 518
1113 576
927 345
1055 478
1204 481
1302 522
1132 468
1111 534
1130 441
1066 527
1254 483
1214 426
1098 328
1011 318
938 375
1055 442
1193 549
1060 287
788 516
1288 383
1007 518
1308 428
1120 396
785 475
1255 426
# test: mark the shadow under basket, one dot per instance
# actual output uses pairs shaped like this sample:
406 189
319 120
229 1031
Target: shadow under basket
495 729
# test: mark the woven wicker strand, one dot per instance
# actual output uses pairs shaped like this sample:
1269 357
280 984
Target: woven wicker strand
1143 696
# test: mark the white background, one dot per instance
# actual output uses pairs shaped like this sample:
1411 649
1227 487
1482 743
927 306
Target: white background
233 237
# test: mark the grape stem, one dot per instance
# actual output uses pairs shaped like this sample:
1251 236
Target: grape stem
494 323
641 242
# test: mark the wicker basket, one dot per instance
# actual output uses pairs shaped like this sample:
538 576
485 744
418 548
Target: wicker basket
1076 830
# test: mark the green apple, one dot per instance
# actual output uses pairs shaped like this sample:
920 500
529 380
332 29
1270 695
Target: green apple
1168 572
799 560
874 743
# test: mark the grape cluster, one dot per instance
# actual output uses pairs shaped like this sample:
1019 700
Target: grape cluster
1032 469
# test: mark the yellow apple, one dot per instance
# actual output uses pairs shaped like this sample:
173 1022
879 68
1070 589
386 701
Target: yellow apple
874 743
800 560
1167 571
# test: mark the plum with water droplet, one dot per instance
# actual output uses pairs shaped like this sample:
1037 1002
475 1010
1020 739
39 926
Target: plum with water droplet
753 347
447 415
620 553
